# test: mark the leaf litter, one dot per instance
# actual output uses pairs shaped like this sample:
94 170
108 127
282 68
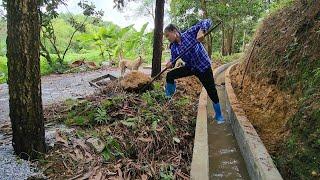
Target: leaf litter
145 136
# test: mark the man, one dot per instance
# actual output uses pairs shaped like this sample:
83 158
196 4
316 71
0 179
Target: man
197 61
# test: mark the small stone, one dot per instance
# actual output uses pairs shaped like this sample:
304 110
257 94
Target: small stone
96 144
36 176
177 140
314 173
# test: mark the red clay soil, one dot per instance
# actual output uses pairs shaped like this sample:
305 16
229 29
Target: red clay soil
267 108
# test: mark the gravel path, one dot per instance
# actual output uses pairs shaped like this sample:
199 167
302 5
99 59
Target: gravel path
55 88
59 87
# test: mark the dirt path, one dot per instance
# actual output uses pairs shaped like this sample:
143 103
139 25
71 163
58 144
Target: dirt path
59 87
225 160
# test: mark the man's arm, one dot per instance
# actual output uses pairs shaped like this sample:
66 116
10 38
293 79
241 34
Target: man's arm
202 25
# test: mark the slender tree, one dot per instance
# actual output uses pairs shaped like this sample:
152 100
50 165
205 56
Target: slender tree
157 38
25 102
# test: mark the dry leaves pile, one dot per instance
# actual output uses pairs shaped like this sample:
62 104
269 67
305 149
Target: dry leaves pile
145 135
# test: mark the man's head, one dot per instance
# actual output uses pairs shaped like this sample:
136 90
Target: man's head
171 32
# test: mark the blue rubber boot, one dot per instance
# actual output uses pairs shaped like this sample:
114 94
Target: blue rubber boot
218 116
170 89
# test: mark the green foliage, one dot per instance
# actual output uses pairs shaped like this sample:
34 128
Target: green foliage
112 149
226 59
101 116
154 97
3 70
184 13
280 4
100 41
182 102
115 40
131 122
49 14
299 156
157 86
167 172
106 103
3 36
241 15
147 97
79 120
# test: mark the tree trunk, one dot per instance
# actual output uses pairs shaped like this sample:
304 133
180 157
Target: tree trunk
222 40
209 37
228 40
244 40
157 38
25 102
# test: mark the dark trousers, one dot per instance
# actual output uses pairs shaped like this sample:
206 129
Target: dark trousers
206 78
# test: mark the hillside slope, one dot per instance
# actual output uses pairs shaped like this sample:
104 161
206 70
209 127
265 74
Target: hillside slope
281 91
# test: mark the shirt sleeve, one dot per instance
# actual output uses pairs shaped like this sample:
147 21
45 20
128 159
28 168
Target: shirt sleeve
174 55
203 24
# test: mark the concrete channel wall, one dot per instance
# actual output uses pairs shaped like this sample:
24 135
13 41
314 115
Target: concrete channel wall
259 164
200 157
258 161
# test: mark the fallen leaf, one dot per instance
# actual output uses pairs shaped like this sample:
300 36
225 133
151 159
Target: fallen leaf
149 139
144 177
60 139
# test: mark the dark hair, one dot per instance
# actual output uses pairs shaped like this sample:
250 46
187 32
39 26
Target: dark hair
171 28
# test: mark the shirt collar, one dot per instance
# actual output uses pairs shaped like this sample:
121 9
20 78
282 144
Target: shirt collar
175 43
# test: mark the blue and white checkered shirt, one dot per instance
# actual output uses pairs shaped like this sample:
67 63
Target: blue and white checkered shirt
197 59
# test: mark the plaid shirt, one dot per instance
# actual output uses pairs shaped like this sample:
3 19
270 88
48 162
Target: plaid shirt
197 58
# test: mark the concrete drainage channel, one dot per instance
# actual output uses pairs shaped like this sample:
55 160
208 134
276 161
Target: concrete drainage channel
233 150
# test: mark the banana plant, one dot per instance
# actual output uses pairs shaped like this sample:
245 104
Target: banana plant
102 39
138 40
120 39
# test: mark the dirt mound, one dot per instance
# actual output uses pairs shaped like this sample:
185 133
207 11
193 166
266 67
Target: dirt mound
283 75
134 81
190 86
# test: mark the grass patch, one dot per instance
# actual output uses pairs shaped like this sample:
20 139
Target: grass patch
226 59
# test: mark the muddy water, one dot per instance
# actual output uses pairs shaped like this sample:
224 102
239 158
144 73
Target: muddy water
225 160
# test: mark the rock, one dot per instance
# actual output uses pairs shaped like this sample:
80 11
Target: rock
314 173
105 65
37 176
96 144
